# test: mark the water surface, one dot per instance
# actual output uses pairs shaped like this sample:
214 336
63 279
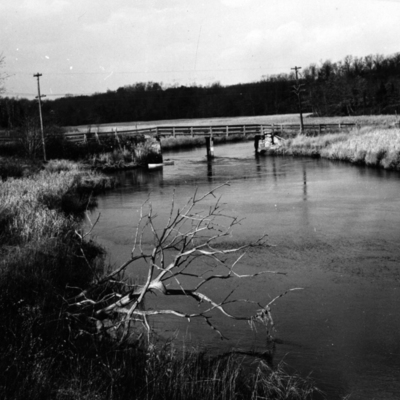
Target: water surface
335 230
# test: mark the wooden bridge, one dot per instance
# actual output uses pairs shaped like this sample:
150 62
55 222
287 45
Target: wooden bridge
284 130
208 131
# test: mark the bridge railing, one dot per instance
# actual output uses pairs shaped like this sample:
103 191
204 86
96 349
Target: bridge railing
284 130
208 130
215 130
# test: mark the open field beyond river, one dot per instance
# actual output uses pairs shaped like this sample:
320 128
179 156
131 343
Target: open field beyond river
262 119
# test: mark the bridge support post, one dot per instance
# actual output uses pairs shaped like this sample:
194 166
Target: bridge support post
209 147
117 138
97 136
273 134
256 142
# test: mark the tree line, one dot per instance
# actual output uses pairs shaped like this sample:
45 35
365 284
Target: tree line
353 86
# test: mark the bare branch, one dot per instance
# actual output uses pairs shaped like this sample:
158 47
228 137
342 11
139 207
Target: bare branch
190 238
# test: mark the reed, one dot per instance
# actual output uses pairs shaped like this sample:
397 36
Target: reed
374 147
139 155
142 152
31 208
40 258
311 145
63 165
103 371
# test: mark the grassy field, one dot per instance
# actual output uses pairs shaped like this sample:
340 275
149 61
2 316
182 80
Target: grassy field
381 120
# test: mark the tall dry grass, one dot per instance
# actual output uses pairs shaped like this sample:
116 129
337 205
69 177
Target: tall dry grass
30 208
311 146
378 147
40 259
375 147
24 207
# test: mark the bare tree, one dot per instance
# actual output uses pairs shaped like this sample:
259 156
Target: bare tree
189 238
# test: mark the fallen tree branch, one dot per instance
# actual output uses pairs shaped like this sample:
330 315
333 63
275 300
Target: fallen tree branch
188 239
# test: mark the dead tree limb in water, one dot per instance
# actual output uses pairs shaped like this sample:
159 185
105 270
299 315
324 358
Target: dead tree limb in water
189 238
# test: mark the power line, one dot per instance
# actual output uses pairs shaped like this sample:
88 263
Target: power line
39 96
297 89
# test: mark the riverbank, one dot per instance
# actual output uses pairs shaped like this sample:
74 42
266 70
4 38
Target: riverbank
377 147
49 352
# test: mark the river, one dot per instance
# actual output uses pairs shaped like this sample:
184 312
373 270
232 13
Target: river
335 233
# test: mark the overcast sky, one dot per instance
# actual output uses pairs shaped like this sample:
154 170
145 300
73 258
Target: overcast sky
87 46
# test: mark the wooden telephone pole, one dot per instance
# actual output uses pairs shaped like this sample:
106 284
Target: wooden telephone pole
39 96
297 89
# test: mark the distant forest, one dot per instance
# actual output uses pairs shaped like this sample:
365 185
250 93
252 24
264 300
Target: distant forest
354 86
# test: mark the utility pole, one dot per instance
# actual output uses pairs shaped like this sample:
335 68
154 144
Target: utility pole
40 114
297 90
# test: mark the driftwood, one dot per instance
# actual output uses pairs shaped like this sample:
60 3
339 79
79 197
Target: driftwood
111 303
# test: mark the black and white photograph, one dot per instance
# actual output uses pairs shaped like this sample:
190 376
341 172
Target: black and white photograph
200 199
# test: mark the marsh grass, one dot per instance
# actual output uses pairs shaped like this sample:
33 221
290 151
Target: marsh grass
34 280
115 157
142 152
100 370
31 208
311 146
374 147
60 165
139 155
378 147
40 259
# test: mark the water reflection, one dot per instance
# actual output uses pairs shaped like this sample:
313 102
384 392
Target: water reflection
258 164
139 177
304 182
209 170
274 169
